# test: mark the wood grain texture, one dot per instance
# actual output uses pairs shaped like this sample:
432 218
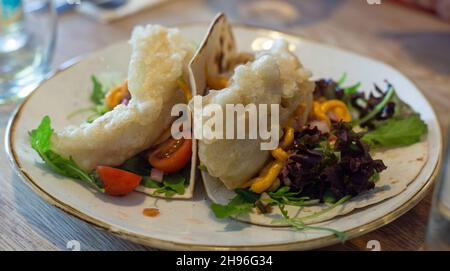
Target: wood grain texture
417 44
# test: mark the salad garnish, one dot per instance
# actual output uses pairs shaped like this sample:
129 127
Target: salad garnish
328 160
386 120
245 201
319 167
115 181
40 142
171 184
242 203
399 132
299 225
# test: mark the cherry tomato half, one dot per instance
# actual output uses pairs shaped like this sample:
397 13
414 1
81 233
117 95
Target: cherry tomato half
117 182
172 155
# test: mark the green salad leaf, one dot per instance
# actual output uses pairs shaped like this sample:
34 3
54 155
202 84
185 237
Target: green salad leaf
171 185
150 183
97 98
403 128
395 132
97 95
236 206
242 203
174 182
283 197
377 108
299 225
40 139
245 200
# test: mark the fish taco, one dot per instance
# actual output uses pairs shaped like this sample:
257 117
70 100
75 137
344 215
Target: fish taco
339 148
126 144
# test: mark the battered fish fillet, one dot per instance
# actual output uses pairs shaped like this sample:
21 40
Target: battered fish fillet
275 77
159 56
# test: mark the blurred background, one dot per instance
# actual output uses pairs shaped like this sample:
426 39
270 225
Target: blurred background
38 36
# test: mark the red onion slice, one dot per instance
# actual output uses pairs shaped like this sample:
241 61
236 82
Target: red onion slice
156 175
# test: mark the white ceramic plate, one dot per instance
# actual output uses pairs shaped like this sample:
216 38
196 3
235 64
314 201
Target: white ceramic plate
189 224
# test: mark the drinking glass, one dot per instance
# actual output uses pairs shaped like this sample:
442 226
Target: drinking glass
438 230
27 41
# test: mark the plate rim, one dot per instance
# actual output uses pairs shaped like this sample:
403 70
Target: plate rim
173 245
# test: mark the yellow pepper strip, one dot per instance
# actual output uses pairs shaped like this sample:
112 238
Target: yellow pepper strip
288 137
338 108
269 173
263 172
185 88
116 94
217 82
265 181
280 155
319 114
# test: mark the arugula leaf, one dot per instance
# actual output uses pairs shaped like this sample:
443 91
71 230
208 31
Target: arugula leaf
236 206
324 210
167 192
97 95
394 132
299 225
283 197
172 184
175 182
282 192
40 139
97 98
148 182
242 203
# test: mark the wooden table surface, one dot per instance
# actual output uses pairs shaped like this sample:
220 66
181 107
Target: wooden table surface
418 44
